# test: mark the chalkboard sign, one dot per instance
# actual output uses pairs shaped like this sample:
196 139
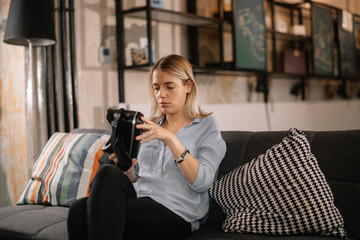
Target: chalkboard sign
250 35
322 41
347 46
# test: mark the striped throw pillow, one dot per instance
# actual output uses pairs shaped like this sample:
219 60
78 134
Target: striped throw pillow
64 169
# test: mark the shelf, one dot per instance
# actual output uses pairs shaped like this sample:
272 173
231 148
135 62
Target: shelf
243 72
215 71
138 67
280 41
304 4
172 17
289 36
287 75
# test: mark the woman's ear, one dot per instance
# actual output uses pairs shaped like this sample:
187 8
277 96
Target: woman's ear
189 86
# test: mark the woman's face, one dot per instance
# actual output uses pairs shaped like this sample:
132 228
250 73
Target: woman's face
170 92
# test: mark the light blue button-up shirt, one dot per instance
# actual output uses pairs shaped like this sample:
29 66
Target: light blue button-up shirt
162 180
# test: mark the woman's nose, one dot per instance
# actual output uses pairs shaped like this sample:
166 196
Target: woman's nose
161 93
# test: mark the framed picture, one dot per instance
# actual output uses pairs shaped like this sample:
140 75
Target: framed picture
322 41
347 44
249 35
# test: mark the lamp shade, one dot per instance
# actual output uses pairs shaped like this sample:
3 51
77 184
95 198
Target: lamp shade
30 19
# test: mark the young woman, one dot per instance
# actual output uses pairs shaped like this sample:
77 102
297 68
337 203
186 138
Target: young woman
165 195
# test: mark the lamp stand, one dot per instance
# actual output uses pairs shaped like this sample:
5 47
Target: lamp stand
31 111
32 24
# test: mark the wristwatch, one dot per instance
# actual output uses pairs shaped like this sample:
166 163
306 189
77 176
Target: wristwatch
182 157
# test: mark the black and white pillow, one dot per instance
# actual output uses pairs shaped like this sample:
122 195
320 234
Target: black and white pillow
281 192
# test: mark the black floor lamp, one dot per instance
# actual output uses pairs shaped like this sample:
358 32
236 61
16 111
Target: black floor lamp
31 23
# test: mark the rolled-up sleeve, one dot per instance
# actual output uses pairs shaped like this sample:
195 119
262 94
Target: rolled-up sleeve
211 151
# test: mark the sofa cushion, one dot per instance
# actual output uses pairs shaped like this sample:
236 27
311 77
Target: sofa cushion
33 222
64 169
280 192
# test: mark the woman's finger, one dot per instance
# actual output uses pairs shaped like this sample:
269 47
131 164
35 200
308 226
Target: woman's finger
144 136
146 120
134 161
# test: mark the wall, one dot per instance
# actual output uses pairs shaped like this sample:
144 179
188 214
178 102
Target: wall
280 116
97 83
13 164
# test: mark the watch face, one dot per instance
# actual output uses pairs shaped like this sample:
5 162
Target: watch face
182 157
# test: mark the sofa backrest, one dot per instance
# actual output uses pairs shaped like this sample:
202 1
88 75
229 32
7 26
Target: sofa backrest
338 154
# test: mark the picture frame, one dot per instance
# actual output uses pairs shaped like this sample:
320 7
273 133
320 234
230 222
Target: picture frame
323 59
249 35
347 45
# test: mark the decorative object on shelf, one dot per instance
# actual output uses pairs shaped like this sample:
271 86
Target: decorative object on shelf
347 45
281 25
132 36
299 29
250 35
294 61
144 45
157 3
322 41
347 22
31 23
138 56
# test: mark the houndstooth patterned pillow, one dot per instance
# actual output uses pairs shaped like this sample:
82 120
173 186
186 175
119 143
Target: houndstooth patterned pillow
281 192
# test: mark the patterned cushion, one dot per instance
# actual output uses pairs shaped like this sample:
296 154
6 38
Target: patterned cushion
64 169
281 192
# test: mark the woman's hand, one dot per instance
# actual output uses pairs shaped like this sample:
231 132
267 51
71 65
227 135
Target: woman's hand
152 131
189 167
113 158
130 172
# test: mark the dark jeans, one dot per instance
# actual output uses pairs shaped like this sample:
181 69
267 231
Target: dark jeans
112 211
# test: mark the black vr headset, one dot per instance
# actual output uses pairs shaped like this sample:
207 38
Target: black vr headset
122 141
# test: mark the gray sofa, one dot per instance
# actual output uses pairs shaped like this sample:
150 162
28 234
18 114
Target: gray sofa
338 154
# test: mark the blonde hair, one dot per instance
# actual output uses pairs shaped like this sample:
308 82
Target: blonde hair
179 67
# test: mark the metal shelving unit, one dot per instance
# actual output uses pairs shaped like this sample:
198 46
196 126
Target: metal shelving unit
194 22
149 14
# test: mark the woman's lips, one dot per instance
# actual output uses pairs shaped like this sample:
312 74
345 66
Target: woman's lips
163 104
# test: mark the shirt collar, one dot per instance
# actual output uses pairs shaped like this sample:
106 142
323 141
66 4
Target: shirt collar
195 121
